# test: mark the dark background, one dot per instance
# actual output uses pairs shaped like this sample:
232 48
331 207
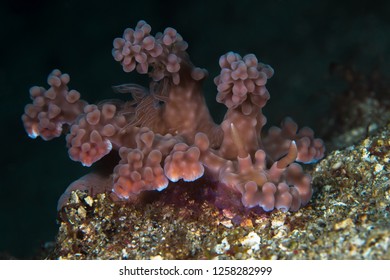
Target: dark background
299 39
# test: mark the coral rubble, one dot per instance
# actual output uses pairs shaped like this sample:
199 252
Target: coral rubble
348 219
